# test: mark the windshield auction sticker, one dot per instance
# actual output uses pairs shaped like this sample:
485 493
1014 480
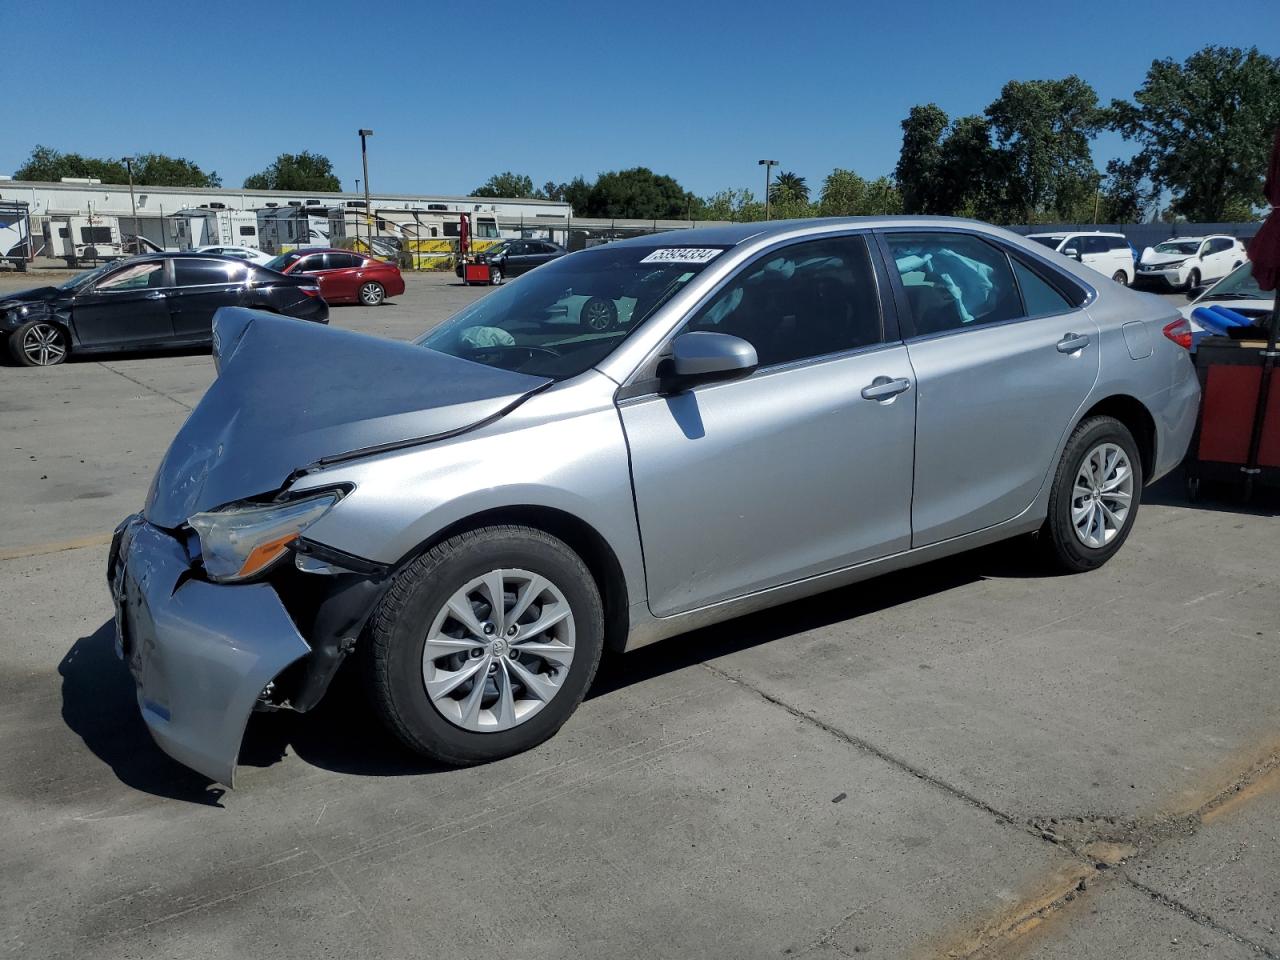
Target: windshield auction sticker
683 255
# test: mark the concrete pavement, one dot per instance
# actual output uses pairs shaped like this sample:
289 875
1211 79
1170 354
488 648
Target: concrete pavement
968 759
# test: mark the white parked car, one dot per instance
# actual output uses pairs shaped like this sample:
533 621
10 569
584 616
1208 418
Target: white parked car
1238 292
251 254
1184 263
1108 253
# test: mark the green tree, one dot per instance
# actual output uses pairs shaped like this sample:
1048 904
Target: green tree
737 205
50 165
919 162
969 175
1126 193
159 170
575 192
638 193
1203 128
304 171
789 189
509 185
845 194
1042 130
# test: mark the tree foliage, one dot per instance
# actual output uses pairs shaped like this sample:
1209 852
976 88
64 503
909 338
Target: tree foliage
149 169
789 189
303 171
920 162
1204 128
638 193
510 185
845 194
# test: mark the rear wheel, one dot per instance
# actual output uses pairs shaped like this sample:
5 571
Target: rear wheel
495 275
1121 278
38 343
485 645
1095 496
372 294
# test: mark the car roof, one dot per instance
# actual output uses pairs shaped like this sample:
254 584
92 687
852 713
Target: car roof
732 234
1077 233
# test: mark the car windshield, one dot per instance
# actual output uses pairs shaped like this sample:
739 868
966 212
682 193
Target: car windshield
1238 285
568 315
89 276
281 263
497 248
1187 247
1050 242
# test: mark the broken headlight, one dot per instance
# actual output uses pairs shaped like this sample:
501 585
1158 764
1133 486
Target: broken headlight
244 539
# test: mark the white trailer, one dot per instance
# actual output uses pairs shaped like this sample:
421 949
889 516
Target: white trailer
15 234
281 229
76 238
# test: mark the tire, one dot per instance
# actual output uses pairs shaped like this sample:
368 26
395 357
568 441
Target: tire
372 294
1077 550
598 314
1193 279
39 343
1121 278
495 276
445 725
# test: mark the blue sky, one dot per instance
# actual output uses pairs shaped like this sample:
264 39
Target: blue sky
551 88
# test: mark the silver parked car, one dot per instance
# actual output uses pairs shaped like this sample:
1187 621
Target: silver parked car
777 410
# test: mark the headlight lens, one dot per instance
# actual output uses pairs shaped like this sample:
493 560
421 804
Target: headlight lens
1172 264
243 540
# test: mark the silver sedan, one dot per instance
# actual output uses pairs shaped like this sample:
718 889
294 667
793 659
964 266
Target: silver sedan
627 443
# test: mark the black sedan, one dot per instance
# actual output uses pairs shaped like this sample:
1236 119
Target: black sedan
514 257
157 301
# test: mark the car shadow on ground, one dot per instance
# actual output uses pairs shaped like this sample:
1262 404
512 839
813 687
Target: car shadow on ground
344 735
1219 497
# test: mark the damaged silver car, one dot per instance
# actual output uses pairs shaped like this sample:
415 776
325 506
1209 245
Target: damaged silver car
770 410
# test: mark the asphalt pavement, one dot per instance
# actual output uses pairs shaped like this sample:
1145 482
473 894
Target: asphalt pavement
969 759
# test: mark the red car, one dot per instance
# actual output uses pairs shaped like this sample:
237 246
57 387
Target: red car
345 276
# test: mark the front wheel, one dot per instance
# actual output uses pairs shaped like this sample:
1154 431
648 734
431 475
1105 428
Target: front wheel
485 645
1095 496
38 343
372 294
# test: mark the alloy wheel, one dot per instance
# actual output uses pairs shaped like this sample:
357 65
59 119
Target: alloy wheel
1102 495
1121 278
597 314
43 345
371 294
495 275
498 651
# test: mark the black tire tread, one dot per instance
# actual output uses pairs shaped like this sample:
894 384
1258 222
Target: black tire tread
397 597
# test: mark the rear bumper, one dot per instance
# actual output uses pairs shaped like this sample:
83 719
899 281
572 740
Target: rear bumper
1175 411
200 653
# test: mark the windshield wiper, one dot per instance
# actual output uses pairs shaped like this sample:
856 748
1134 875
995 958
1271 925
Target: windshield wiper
1233 296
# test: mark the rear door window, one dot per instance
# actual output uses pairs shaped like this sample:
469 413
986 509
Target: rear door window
954 281
806 300
312 264
203 273
1038 296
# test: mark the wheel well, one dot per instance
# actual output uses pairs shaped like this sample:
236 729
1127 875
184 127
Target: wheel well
580 536
1134 415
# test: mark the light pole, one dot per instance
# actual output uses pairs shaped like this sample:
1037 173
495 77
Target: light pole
364 159
768 167
128 162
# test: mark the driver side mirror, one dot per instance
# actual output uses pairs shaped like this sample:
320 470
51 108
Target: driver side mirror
703 357
1071 252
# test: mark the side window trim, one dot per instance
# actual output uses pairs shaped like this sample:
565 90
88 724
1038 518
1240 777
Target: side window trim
643 382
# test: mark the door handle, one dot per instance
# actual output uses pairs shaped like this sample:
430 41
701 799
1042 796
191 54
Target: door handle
1072 342
885 388
157 295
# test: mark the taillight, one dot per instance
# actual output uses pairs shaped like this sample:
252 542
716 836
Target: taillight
1179 332
310 291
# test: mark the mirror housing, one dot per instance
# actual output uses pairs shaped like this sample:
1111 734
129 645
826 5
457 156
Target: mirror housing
703 356
1071 252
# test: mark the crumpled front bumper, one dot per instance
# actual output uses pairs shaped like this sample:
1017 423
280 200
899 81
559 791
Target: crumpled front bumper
201 653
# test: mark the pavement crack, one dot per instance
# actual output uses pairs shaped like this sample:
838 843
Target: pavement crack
870 748
1203 919
145 386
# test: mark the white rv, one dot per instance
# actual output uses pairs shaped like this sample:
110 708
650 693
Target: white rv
281 229
76 238
210 226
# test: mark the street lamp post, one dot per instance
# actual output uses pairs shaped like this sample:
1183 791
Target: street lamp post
364 159
768 167
128 162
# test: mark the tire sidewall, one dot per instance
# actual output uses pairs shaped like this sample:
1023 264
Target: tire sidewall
404 638
1071 552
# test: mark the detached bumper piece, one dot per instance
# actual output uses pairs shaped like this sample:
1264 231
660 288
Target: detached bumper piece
201 653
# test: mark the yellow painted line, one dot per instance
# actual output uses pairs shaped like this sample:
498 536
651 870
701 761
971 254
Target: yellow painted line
56 546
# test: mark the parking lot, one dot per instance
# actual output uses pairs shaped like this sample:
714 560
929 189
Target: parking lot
969 759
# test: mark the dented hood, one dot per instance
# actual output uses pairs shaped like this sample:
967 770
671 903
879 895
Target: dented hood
291 394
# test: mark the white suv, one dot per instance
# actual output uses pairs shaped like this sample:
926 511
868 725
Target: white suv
1184 263
1108 253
